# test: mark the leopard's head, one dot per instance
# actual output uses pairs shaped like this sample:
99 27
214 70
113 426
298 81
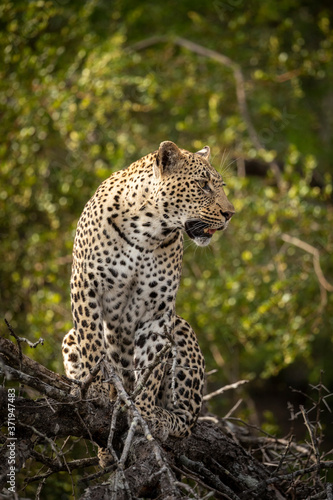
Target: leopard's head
189 192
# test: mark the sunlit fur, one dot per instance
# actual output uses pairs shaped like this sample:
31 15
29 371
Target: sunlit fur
127 262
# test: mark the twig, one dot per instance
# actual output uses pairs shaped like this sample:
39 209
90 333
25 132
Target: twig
191 475
49 405
211 372
23 339
304 450
90 377
136 415
224 389
325 286
262 441
52 444
313 438
188 489
201 470
284 455
113 424
291 476
157 360
119 484
12 355
119 479
76 410
234 408
55 467
209 495
87 479
11 331
128 441
39 489
320 387
125 398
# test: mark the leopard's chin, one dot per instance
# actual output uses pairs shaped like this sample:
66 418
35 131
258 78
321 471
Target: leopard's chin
200 231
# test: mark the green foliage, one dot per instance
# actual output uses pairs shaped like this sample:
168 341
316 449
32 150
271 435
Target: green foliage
77 104
255 297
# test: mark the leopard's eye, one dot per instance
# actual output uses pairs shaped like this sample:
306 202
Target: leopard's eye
204 184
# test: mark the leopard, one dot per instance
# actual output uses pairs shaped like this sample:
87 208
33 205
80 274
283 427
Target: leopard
126 271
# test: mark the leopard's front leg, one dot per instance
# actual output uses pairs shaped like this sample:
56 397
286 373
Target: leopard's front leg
171 397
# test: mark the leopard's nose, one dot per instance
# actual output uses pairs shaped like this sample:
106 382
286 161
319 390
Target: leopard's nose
228 214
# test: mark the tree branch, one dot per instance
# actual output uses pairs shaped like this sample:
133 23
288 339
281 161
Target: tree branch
10 355
211 395
325 286
142 465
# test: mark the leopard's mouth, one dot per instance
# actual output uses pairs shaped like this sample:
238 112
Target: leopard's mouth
197 229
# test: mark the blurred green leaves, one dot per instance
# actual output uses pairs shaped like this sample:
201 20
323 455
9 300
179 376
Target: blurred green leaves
261 301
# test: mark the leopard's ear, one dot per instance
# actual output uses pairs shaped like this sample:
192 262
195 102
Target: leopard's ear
168 158
204 152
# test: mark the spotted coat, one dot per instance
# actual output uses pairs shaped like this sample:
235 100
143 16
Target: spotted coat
127 262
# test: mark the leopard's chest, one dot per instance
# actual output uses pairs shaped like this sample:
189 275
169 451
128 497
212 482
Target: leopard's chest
143 294
142 286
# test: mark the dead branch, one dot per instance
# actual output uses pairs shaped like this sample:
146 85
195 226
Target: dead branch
120 480
149 370
10 355
325 286
35 383
314 441
293 475
90 377
211 395
23 339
